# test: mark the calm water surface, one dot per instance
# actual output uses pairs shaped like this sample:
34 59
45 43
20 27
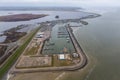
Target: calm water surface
62 14
52 14
101 39
60 41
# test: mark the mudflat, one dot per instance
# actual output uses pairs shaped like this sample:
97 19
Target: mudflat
21 17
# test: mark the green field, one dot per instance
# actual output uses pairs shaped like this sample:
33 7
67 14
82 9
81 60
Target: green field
10 61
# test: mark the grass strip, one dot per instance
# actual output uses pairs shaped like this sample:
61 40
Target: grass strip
10 61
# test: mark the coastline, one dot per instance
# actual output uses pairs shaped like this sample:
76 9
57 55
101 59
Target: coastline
73 19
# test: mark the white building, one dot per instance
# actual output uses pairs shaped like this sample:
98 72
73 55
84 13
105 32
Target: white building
40 35
61 56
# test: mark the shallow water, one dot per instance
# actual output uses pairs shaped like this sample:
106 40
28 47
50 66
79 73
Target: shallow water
101 39
52 14
62 14
2 38
60 41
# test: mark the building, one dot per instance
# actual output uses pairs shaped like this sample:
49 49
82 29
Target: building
64 56
61 56
75 55
40 35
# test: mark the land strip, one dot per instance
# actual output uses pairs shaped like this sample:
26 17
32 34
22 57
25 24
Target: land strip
10 61
21 17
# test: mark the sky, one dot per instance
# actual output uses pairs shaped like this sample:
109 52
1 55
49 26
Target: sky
71 3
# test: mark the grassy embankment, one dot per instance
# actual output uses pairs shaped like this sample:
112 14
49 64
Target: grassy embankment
10 61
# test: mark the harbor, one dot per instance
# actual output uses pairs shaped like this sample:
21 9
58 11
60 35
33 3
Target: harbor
66 60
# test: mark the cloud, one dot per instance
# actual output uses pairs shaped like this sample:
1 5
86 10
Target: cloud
65 2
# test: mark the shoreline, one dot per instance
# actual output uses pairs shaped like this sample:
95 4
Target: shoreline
69 19
53 22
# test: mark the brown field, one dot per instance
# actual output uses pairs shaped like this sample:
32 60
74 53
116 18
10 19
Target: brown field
21 17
